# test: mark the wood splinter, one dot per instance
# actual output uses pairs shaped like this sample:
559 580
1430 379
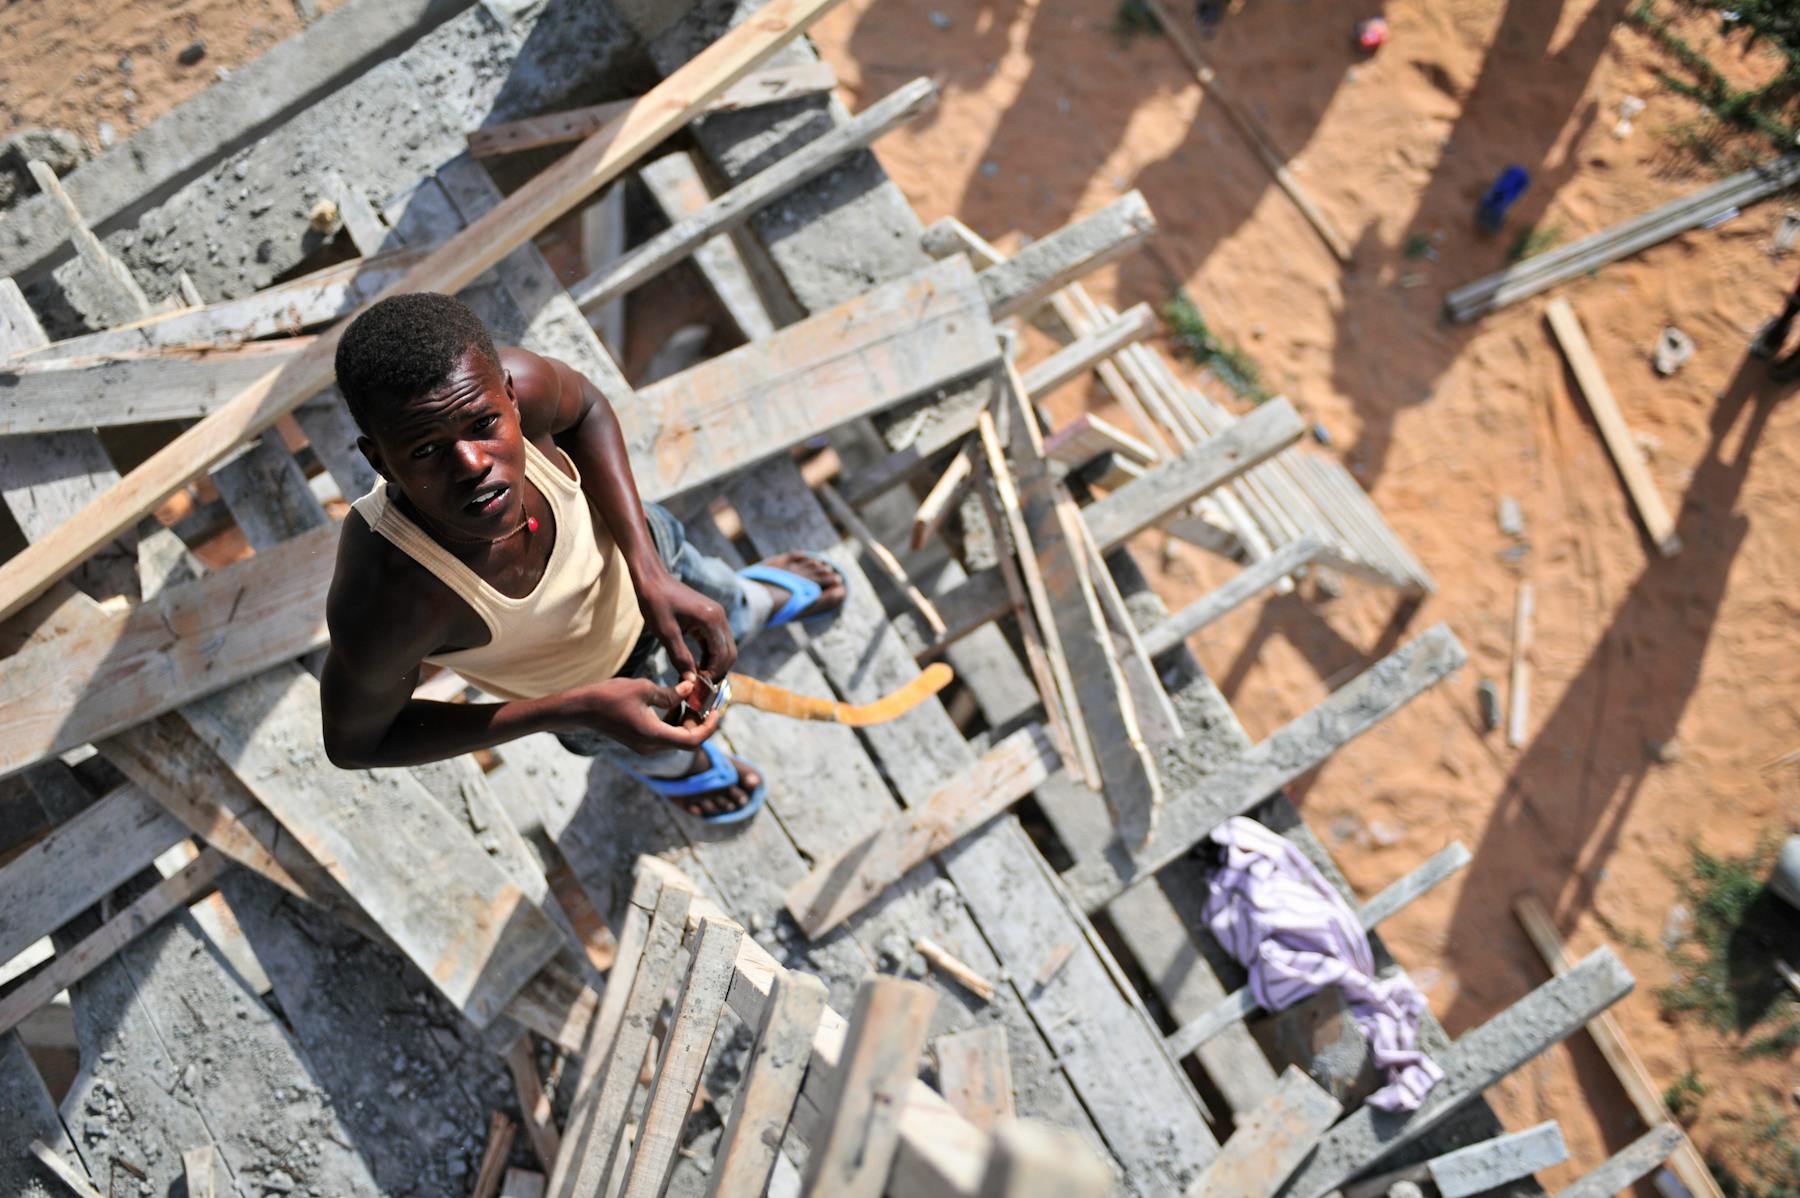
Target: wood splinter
941 959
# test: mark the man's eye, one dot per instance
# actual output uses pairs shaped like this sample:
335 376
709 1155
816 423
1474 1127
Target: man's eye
424 451
486 422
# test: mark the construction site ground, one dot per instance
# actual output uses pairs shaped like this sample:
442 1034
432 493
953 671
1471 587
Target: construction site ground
1662 689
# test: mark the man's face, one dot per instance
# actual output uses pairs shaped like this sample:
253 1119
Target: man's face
456 453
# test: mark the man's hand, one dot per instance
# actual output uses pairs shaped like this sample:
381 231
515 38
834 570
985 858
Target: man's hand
634 712
674 612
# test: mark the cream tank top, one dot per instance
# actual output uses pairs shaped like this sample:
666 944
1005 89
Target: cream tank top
579 623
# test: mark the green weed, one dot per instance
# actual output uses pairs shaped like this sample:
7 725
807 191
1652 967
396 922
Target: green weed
1764 1160
1683 1097
1770 112
1533 239
1195 337
1134 17
1417 246
1727 972
1777 1043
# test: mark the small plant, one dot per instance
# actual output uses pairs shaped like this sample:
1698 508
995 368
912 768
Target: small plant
1764 1161
1727 972
1770 111
1134 17
1683 1097
1417 246
1778 1043
1533 239
1193 335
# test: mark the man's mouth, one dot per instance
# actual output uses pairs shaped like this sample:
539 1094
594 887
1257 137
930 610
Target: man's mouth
487 501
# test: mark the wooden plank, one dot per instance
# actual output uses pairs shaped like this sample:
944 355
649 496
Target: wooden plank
1156 714
64 1172
528 211
1269 1144
854 1151
596 1126
1476 1061
205 1173
1519 685
135 387
683 1055
80 862
1036 1160
1175 484
386 842
30 1115
534 1103
1630 1164
1087 436
943 497
742 201
522 1183
111 272
1613 430
1028 279
1634 1076
841 886
769 86
674 182
1242 782
956 969
1490 1164
850 522
501 1131
1176 28
1215 605
1100 699
772 1077
1079 357
68 967
975 1074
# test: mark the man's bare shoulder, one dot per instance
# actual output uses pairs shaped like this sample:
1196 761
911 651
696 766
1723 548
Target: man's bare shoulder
382 602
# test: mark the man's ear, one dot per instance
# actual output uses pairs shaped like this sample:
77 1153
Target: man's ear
372 452
510 393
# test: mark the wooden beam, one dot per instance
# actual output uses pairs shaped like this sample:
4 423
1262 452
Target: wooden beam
683 1055
173 893
534 1103
772 1077
110 271
80 862
1631 1164
501 1133
1519 687
1040 1160
853 1152
1476 1061
1088 436
743 201
1272 1141
205 1173
1246 780
1634 1077
1079 357
943 496
1175 27
63 1171
558 128
838 888
1613 430
522 1183
1217 604
1028 279
528 211
674 182
883 557
954 968
975 1074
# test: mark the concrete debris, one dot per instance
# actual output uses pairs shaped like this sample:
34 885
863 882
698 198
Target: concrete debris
1673 349
1511 517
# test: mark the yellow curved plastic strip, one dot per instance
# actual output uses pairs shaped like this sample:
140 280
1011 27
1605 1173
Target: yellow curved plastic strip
778 700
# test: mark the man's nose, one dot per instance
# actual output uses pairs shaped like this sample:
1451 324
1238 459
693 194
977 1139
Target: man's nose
471 460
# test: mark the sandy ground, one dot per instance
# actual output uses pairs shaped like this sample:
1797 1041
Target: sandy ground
1047 115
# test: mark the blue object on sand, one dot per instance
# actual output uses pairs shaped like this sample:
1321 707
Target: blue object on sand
1490 214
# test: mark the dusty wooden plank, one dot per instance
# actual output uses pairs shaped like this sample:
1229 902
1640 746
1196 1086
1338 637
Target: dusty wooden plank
204 1171
742 201
1272 1141
1215 605
1175 484
1031 276
683 1054
534 1103
80 862
1476 1061
1157 717
1079 357
768 86
1035 1160
445 904
1246 780
1609 1037
843 885
112 273
1086 437
590 166
975 1075
1629 1165
881 555
72 1178
522 1183
30 1115
943 496
1490 1164
772 1077
1518 708
854 1151
1613 430
596 1127
674 182
59 394
501 1132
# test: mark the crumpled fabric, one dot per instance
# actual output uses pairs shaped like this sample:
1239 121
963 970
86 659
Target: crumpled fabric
1278 916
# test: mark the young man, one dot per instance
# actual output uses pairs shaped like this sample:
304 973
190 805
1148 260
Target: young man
507 541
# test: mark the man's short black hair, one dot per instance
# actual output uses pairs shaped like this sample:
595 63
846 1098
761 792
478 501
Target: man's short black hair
404 347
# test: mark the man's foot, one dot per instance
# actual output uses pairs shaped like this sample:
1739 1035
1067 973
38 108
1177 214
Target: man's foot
814 569
726 799
1768 340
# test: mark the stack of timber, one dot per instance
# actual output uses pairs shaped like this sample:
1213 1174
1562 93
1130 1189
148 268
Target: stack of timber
189 891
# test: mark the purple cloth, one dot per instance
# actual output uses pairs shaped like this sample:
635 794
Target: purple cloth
1290 928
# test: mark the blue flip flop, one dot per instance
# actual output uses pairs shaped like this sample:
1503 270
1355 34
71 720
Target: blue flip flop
802 592
717 776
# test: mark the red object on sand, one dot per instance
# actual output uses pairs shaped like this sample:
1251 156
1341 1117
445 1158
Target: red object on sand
1372 34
